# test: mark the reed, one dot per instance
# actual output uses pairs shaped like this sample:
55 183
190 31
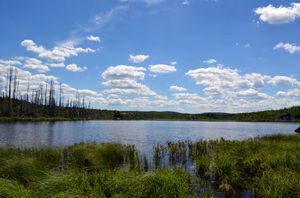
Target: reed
266 167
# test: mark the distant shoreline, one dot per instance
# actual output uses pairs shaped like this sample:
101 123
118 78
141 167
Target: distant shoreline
58 119
22 110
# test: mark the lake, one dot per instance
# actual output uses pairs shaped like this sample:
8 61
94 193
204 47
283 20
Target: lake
143 134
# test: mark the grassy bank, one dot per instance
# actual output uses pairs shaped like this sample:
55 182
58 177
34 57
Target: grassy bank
35 119
40 119
265 167
86 170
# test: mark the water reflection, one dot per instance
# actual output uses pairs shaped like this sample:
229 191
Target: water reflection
144 134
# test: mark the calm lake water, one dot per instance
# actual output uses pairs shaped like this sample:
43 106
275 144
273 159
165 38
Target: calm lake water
144 134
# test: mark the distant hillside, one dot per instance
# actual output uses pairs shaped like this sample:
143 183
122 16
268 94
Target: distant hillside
283 115
15 109
47 103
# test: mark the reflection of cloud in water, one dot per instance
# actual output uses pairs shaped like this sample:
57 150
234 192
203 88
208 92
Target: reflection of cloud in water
144 134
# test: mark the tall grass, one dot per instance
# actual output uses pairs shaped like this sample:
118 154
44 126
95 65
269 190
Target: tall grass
86 170
266 167
11 189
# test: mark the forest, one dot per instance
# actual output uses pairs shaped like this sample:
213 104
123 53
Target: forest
47 103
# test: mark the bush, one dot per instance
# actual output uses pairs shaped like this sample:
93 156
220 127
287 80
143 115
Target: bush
52 185
226 173
11 189
95 157
166 183
22 170
202 167
279 184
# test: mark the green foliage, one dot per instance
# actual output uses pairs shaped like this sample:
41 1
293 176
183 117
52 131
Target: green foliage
93 156
53 184
166 183
158 155
11 189
85 170
268 166
262 165
203 167
22 170
226 173
28 111
279 184
177 153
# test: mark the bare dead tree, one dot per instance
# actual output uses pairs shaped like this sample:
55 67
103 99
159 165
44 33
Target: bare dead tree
18 90
10 76
52 103
15 83
6 85
60 95
45 97
27 92
41 94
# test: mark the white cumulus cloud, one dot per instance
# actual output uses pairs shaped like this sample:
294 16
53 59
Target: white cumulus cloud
75 68
284 80
175 88
210 61
124 72
162 68
289 93
252 93
56 64
94 38
139 58
123 80
278 15
59 53
291 48
36 64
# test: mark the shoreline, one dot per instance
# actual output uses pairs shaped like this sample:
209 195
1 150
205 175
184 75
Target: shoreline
58 119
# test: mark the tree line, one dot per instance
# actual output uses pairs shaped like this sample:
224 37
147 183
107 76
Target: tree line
47 100
43 100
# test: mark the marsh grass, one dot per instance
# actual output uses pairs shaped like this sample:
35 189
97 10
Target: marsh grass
267 167
203 167
11 189
86 170
280 183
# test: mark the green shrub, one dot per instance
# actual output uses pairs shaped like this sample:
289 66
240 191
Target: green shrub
50 157
23 170
11 189
112 156
202 167
52 185
166 183
157 156
94 157
279 184
226 173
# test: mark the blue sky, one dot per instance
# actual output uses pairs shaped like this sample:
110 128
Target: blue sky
176 55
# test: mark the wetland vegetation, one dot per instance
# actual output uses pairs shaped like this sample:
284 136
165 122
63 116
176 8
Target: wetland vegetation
263 167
